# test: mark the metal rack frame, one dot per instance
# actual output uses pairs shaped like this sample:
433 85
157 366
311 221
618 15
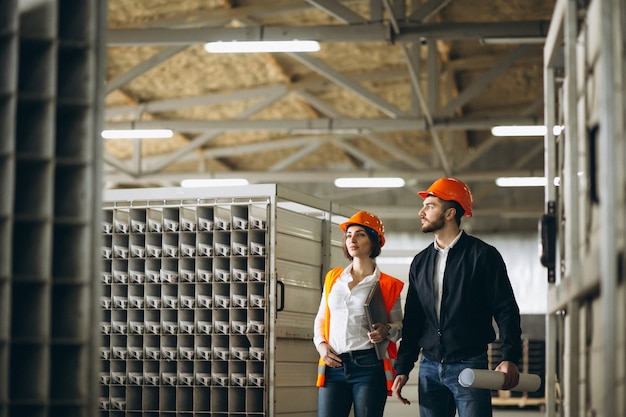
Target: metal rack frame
201 290
584 78
50 120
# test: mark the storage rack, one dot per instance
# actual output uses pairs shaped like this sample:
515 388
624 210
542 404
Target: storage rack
50 121
193 310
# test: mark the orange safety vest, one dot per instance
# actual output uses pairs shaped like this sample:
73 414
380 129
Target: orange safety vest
391 288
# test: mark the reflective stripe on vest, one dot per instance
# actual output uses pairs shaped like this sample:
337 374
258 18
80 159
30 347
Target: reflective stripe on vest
390 373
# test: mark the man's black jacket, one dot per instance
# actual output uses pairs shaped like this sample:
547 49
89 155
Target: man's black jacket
476 290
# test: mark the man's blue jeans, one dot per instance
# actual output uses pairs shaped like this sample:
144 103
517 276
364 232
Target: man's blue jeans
441 395
359 381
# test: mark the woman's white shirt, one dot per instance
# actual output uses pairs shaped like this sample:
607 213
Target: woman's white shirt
348 323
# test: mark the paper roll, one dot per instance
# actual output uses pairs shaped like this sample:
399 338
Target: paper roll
483 378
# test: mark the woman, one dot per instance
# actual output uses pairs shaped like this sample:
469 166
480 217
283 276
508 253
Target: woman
349 370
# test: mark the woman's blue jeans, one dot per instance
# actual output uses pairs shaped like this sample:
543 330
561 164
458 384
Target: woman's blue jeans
360 381
441 395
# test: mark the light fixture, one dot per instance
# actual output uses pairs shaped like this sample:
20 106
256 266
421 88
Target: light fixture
518 130
213 182
528 130
521 181
225 47
513 40
137 134
368 182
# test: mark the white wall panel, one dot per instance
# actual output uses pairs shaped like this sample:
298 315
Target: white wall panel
296 224
292 399
302 275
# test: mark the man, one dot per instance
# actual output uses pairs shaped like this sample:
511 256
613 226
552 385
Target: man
457 286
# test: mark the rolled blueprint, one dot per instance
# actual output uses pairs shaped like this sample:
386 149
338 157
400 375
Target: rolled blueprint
483 378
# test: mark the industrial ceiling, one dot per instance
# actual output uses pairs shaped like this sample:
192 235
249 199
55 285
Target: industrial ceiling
399 88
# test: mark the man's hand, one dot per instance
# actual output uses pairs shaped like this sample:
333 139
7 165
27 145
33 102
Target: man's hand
511 374
328 355
396 388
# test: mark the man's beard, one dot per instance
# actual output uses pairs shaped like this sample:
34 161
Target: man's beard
433 226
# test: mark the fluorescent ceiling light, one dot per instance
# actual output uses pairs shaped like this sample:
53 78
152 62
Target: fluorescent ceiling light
367 182
212 182
524 130
222 47
521 182
518 130
514 40
137 134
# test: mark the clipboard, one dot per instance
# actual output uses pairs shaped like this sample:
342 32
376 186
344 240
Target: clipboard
376 312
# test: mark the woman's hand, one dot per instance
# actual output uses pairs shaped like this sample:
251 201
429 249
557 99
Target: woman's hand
379 332
328 355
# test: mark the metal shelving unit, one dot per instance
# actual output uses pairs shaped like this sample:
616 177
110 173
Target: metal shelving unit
208 300
8 100
50 95
584 91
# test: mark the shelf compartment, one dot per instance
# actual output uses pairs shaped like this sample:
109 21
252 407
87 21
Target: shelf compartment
72 191
7 126
34 189
36 57
74 142
8 55
77 65
70 305
67 364
70 249
30 320
27 383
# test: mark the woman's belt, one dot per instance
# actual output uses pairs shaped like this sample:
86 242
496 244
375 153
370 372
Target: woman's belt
353 354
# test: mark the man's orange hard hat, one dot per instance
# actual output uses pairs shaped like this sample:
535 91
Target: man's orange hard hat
453 190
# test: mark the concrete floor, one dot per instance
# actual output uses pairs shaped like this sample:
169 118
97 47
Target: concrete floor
395 408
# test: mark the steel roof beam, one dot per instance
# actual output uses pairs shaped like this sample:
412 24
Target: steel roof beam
143 67
348 83
530 30
198 142
397 153
325 125
157 106
415 84
473 90
427 10
219 17
300 88
325 176
337 10
368 32
315 143
370 163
